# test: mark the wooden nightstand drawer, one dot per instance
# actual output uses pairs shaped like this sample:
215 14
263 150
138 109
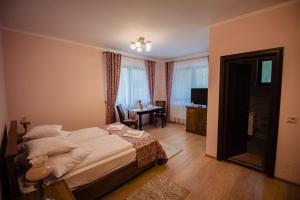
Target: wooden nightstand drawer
57 191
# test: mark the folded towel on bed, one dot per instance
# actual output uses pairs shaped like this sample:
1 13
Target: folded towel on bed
84 134
134 133
115 127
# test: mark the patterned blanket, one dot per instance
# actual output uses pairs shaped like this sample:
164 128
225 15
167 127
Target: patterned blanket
148 148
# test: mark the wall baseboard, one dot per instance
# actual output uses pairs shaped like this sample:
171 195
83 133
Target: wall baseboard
210 156
287 181
277 178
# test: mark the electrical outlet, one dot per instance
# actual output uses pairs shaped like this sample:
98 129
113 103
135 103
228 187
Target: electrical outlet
291 120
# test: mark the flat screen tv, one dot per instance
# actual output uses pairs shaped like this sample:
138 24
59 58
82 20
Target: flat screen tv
199 96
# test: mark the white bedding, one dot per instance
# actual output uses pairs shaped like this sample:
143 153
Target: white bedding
92 172
84 133
108 153
101 148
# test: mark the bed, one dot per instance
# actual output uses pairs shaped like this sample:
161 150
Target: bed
95 177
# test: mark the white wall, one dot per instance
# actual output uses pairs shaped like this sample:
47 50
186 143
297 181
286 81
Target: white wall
3 111
52 81
279 27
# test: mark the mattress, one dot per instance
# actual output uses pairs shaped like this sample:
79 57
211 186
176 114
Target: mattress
90 173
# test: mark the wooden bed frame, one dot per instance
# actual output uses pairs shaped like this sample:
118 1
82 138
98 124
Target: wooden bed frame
92 190
8 168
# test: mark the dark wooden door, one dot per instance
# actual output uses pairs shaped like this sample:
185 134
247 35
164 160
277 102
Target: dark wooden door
232 80
238 94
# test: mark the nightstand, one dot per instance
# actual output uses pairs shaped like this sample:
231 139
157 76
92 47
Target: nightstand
57 191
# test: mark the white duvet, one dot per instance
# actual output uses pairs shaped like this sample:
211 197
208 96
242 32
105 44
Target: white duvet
83 134
99 143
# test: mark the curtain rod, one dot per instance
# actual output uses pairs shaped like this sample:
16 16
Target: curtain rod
179 60
129 56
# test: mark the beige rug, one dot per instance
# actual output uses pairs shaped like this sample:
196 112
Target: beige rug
159 188
170 150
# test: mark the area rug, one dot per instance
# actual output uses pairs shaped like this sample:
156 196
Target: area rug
159 188
170 150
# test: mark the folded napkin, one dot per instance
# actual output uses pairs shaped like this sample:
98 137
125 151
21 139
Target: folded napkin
115 127
133 133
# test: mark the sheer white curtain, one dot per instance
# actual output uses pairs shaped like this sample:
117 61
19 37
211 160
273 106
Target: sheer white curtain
133 83
186 75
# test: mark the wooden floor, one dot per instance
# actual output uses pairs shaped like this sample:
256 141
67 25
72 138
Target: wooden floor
205 177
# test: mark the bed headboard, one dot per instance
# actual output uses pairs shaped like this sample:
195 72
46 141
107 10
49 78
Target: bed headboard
7 164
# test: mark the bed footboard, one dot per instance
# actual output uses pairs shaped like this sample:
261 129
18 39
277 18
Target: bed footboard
109 182
8 166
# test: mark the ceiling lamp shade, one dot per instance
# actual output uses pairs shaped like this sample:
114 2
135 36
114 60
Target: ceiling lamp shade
148 46
139 49
141 45
138 44
132 46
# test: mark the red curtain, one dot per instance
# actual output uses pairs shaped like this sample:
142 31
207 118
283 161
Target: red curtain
113 68
150 69
169 78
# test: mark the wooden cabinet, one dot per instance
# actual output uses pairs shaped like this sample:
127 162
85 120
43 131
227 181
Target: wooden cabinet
196 120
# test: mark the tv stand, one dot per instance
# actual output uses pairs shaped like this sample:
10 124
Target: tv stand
197 106
196 119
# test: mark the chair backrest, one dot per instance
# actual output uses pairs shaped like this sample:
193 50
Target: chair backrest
121 112
161 103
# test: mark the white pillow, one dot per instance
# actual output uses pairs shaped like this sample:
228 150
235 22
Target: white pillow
65 133
43 131
49 146
63 163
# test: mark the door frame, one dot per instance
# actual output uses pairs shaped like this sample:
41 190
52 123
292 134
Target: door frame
276 92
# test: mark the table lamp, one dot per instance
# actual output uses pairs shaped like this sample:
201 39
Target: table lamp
38 173
25 123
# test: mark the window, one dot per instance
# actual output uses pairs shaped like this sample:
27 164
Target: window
133 84
187 75
264 74
266 71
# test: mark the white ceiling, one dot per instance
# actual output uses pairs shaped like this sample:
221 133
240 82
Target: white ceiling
176 27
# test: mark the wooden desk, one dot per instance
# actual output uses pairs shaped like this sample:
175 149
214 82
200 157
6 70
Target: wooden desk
196 119
140 112
57 191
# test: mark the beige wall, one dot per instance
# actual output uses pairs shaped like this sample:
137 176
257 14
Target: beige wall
3 112
279 27
53 81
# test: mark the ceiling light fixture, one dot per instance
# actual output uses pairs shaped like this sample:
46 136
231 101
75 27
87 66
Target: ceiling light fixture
141 44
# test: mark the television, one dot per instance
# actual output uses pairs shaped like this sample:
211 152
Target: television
199 96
